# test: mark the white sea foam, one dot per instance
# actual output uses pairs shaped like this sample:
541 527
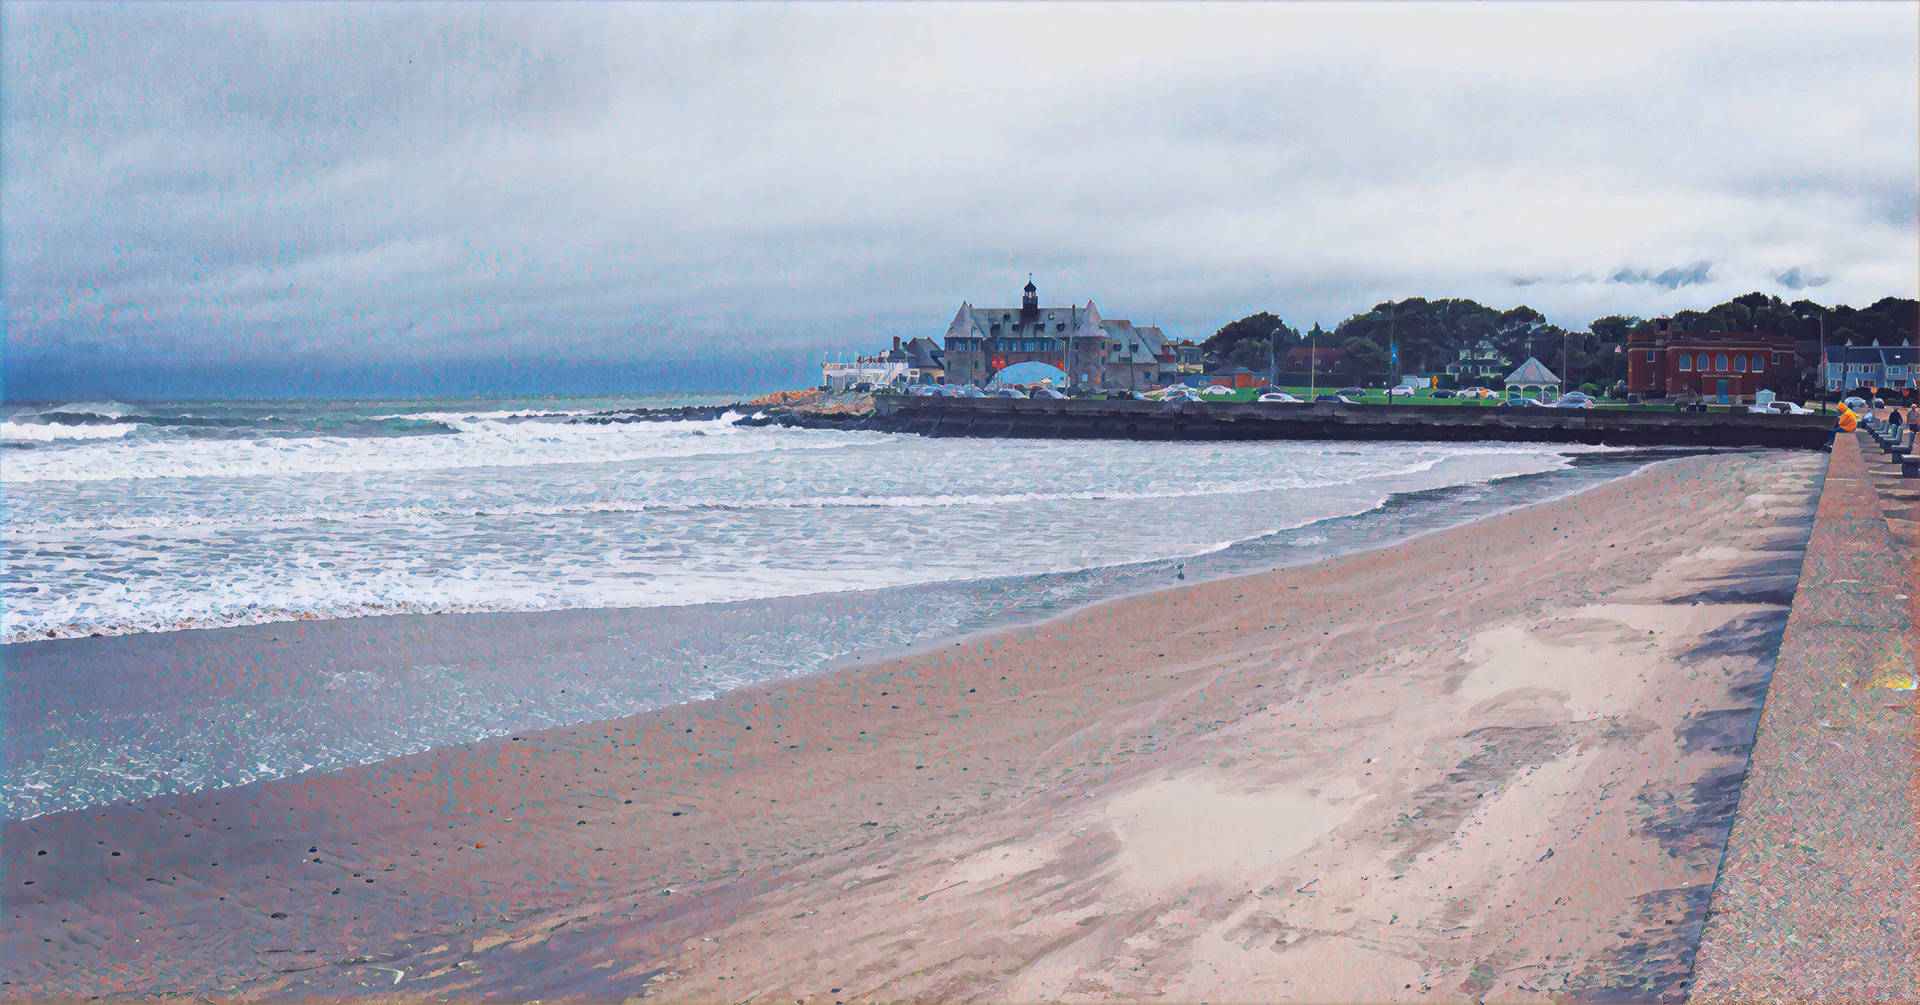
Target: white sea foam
42 432
477 443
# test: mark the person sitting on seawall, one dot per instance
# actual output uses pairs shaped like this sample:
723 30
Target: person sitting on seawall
1847 422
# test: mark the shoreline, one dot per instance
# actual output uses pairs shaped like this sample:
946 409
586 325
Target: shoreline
888 623
697 832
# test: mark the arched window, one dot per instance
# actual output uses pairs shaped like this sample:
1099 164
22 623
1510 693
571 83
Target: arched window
1720 362
1740 363
1759 362
1686 361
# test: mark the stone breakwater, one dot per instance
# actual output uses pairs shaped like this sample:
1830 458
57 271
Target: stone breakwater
1148 420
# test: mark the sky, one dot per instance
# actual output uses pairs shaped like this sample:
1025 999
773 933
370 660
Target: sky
291 200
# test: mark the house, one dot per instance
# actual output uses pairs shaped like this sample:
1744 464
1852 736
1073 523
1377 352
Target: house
1533 380
1324 359
1238 377
1478 362
1186 355
1139 357
923 355
1876 366
1092 350
874 370
1728 366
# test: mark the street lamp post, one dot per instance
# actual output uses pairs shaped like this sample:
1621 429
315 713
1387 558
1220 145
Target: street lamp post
1820 365
1273 369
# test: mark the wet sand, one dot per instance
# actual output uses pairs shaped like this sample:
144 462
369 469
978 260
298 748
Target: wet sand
1497 761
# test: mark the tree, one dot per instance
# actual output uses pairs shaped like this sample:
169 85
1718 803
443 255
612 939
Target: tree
1362 358
1251 341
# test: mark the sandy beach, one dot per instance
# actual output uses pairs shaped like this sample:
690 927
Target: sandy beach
1498 761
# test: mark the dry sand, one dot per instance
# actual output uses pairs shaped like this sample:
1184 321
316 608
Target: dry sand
1495 762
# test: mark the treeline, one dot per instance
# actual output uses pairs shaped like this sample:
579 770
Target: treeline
1430 334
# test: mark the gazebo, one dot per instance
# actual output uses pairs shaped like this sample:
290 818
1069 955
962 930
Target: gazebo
1533 379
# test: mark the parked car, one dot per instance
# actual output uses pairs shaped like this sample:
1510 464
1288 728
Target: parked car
1576 396
1217 390
1477 392
1279 396
1573 403
1338 399
1521 403
1400 391
1353 392
1445 393
1779 408
1047 392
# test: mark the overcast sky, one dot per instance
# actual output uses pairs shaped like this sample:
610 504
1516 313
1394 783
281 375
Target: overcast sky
307 199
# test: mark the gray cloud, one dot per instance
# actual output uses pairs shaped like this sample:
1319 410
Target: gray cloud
420 187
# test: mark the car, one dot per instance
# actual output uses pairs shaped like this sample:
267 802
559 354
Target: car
1477 392
1217 390
1337 399
1779 408
1444 393
1401 391
1352 392
1576 396
1573 403
1521 403
1279 396
1047 392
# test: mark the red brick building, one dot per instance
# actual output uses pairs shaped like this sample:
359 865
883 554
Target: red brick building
1718 366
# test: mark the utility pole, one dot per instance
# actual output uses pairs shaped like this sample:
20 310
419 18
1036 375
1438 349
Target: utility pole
1313 363
1820 368
1566 375
1273 369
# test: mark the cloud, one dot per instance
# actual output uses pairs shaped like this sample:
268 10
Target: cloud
291 191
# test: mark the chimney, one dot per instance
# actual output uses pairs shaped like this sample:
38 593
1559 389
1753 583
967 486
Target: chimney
896 343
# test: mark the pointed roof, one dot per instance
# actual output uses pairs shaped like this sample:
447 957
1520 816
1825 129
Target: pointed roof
964 322
1030 288
1532 372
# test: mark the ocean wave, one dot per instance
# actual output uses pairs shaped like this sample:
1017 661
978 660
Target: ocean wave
12 431
481 444
423 514
309 591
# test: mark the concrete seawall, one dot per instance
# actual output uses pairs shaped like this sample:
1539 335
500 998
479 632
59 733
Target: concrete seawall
1149 420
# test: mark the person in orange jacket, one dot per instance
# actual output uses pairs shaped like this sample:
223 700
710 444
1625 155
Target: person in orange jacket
1848 421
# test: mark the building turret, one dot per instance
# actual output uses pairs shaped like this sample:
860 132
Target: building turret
1030 303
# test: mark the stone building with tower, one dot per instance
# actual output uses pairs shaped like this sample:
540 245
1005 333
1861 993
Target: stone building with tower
1092 350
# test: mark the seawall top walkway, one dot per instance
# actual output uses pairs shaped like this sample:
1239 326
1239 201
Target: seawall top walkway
1819 894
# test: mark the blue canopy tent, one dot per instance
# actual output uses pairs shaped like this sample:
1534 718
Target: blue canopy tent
1030 372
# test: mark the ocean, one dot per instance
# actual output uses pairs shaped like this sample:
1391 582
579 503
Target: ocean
129 519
